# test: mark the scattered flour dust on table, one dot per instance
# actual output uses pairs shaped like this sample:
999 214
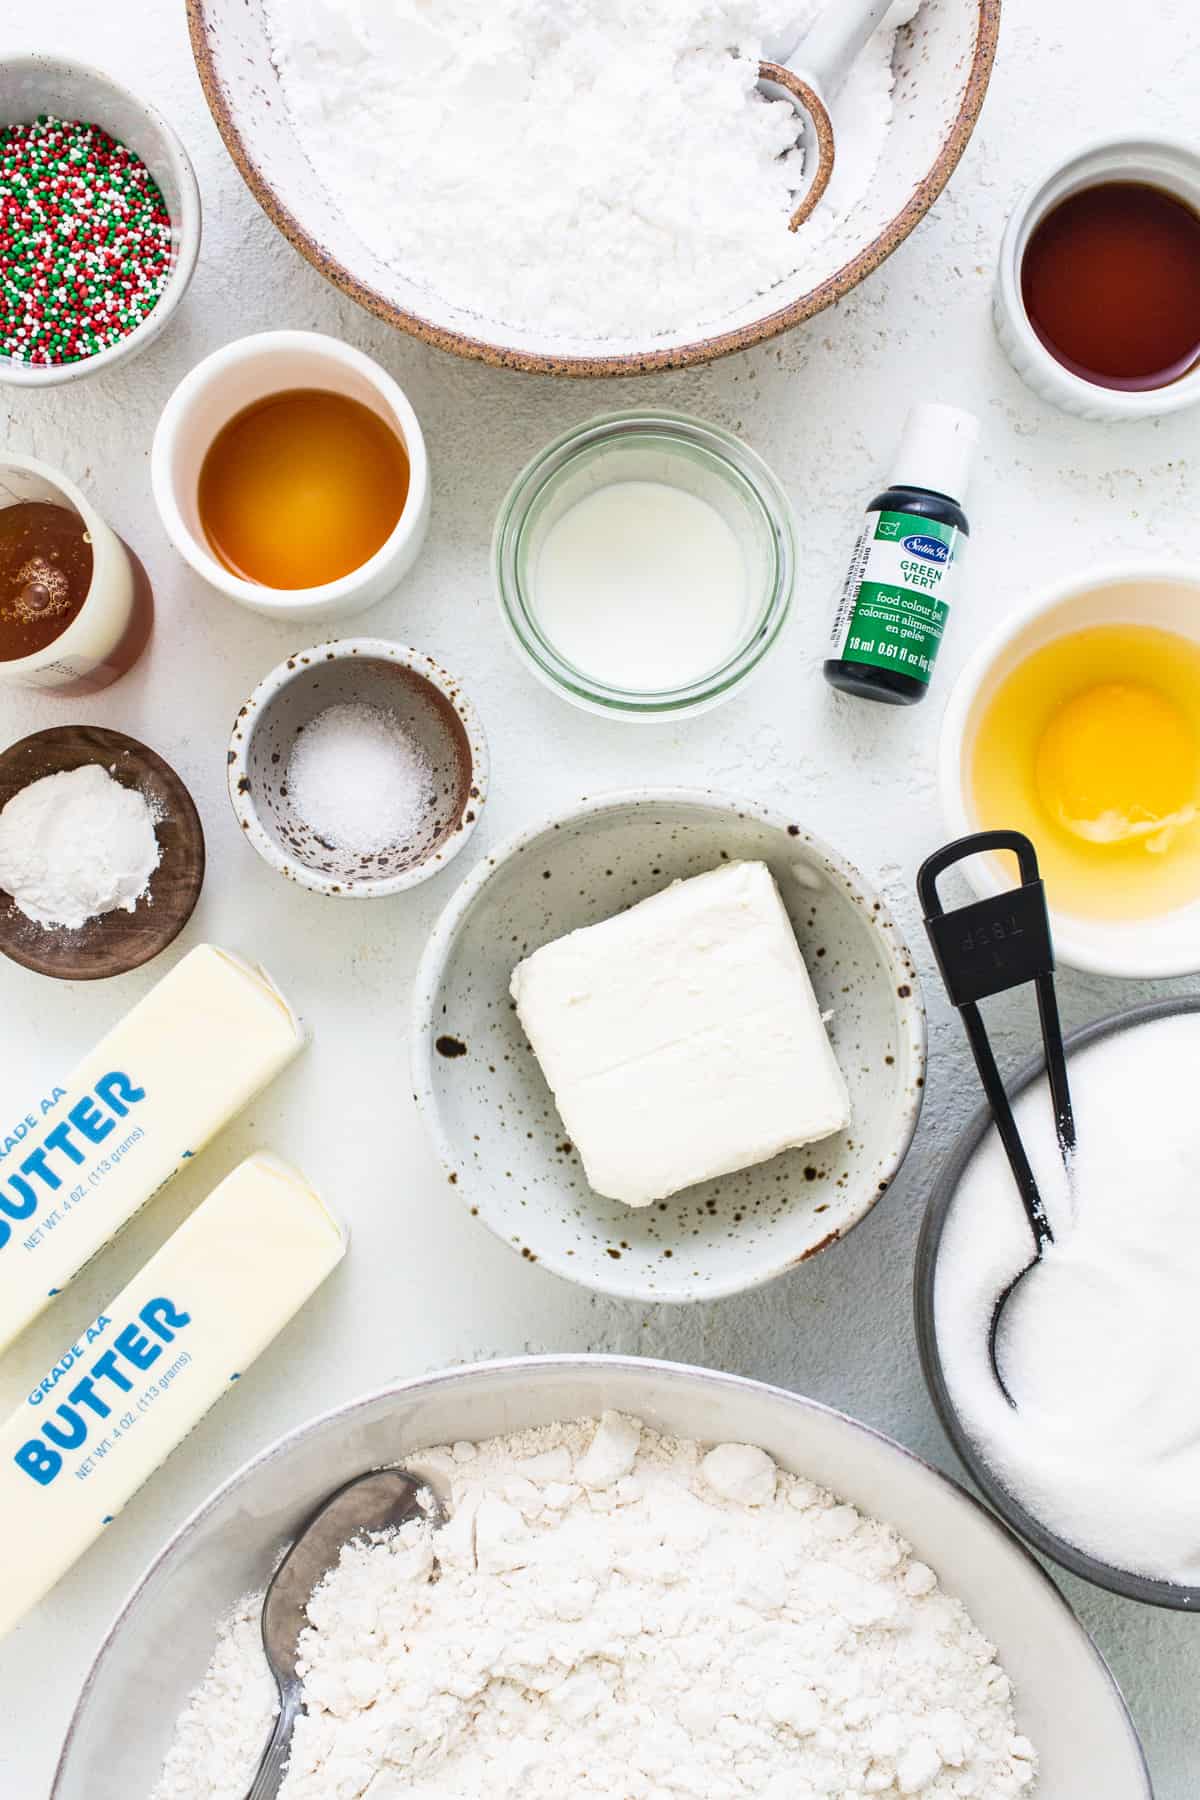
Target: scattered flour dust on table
622 1615
597 169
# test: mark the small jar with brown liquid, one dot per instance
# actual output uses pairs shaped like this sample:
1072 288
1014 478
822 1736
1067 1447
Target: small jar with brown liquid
76 608
289 471
1098 289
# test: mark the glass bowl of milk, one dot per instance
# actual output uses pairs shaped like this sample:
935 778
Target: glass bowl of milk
644 564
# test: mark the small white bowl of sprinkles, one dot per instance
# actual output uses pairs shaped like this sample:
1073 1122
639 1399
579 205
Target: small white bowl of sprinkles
100 212
358 768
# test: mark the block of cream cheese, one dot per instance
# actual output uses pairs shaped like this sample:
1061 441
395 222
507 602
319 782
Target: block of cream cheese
682 1039
79 1162
131 1387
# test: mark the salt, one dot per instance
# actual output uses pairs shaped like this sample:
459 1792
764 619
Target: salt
1100 1344
601 169
358 779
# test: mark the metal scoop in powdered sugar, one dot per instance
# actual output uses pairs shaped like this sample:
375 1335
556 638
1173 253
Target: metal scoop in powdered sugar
382 1501
995 944
824 58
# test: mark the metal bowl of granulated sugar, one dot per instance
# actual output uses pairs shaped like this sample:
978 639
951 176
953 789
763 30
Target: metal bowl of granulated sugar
1064 1700
955 1257
358 768
553 194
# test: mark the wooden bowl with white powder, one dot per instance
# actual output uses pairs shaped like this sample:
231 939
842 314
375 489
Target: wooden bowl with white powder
150 914
358 768
593 193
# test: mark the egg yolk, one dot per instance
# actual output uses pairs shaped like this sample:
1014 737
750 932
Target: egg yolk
1117 763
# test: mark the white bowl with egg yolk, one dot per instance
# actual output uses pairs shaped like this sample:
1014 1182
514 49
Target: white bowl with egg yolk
1157 594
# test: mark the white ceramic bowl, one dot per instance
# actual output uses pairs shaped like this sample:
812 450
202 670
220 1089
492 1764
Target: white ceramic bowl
1066 1700
1160 162
942 64
235 377
493 1120
1162 594
34 84
430 705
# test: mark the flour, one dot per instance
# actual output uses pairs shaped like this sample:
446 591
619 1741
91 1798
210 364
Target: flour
620 1615
358 780
596 168
1100 1345
222 1732
76 845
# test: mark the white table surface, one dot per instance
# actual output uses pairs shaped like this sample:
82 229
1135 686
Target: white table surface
424 1284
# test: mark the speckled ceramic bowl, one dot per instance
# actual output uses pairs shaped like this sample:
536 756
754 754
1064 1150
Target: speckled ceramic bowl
493 1119
942 64
430 706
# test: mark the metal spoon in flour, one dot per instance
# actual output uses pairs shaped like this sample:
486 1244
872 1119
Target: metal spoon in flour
824 57
380 1501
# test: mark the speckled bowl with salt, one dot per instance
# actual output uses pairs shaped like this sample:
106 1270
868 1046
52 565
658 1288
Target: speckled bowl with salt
429 706
493 1119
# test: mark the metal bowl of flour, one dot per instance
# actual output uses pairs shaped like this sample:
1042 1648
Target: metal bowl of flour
942 64
157 1649
1175 1596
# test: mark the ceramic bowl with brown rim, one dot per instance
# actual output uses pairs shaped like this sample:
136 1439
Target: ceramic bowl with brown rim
418 699
942 63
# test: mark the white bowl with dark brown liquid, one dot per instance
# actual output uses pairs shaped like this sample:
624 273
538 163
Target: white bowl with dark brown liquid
1164 164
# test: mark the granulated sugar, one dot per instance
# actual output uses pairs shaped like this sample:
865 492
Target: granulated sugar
358 779
591 168
1100 1344
622 1615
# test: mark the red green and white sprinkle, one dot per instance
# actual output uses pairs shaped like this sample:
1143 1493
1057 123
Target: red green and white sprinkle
85 240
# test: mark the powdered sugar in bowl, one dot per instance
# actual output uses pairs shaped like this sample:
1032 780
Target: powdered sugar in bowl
358 768
534 239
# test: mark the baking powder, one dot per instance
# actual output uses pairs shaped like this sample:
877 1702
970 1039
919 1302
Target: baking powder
595 168
621 1615
75 845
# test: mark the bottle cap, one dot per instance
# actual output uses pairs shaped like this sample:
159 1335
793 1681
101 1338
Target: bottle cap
936 450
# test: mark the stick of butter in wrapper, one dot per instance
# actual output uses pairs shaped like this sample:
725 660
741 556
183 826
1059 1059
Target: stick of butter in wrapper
120 1398
83 1159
